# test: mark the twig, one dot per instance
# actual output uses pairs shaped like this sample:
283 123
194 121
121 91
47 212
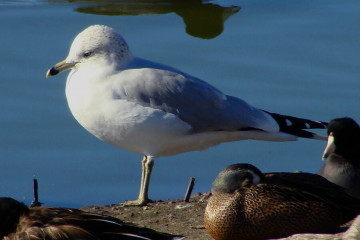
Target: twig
189 189
36 202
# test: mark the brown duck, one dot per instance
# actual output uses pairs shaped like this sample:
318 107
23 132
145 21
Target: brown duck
246 204
18 222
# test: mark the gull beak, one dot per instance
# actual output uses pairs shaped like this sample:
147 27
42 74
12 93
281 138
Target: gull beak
59 67
330 147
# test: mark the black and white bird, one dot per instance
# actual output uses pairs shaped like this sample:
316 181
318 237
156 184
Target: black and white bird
157 110
342 155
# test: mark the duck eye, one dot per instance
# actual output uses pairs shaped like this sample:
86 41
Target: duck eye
87 54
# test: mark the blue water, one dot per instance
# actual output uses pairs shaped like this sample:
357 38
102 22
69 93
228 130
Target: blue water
299 58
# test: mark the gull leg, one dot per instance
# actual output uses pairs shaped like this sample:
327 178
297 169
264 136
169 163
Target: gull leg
143 170
147 164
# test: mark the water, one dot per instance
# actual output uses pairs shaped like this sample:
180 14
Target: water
298 58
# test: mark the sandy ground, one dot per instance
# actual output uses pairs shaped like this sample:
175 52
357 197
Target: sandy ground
186 218
171 216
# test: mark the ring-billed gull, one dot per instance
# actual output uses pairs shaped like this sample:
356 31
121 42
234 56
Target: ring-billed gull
157 110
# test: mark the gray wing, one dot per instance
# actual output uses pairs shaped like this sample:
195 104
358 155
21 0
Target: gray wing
192 100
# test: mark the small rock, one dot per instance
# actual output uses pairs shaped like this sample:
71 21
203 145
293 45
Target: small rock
182 206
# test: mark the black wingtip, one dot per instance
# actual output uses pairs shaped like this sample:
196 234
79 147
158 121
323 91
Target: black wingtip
298 126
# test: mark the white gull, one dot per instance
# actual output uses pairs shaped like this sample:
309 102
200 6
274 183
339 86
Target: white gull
157 110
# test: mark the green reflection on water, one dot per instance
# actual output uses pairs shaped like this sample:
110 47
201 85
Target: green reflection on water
202 19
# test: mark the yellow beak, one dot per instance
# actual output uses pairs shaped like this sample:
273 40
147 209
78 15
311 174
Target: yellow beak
58 68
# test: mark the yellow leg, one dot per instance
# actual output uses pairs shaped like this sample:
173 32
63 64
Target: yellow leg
147 164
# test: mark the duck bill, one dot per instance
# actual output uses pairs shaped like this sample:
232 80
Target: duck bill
58 68
330 147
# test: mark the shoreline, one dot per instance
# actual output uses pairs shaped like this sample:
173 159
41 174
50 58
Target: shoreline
186 218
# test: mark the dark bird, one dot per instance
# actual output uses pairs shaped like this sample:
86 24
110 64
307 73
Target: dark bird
342 155
18 222
247 204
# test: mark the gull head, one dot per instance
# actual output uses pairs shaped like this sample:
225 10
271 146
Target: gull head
97 43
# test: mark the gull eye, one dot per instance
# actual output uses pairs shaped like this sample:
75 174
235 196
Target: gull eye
87 54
